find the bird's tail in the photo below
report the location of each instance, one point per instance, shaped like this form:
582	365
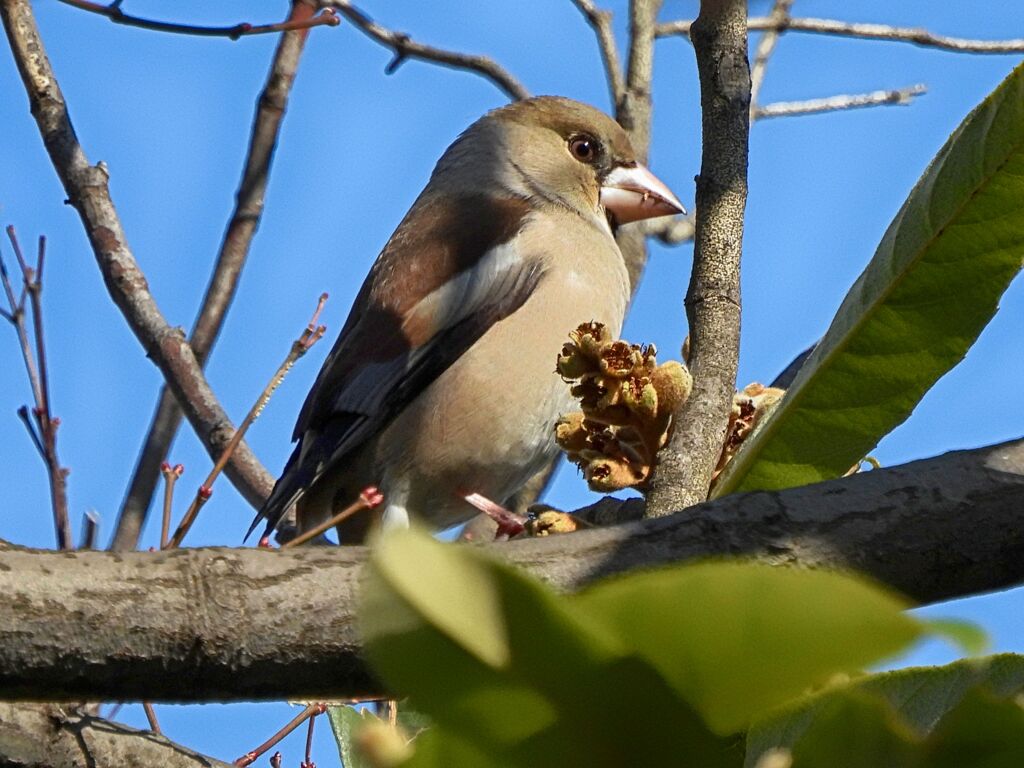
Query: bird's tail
287	490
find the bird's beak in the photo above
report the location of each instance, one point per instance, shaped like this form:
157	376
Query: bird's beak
633	193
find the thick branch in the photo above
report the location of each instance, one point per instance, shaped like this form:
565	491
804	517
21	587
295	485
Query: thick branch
245	218
87	189
915	35
217	624
404	47
58	737
713	298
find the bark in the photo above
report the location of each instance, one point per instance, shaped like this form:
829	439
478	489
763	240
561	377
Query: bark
685	465
36	735
231	624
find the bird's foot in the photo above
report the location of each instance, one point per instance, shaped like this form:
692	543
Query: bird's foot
509	523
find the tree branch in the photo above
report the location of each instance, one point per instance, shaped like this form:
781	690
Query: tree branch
633	111
914	35
245	218
713	298
112	11
899	97
58	737
601	22
219	624
87	190
404	47
765	49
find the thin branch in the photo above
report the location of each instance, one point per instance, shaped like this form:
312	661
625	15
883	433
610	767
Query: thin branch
154	724
43	431
90	529
404	47
171	476
914	35
16	317
310	712
113	12
670	231
271	104
311	334
686	463
61	735
765	49
87	189
368	499
203	616
899	97
600	21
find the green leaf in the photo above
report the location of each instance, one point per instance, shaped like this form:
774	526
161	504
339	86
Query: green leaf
971	638
735	639
982	732
933	284
454	594
348	722
345	723
922	696
856	730
569	693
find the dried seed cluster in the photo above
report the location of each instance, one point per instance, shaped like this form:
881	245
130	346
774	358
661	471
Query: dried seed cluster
627	402
749	406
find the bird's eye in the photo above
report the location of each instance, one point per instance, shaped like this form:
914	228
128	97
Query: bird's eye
584	148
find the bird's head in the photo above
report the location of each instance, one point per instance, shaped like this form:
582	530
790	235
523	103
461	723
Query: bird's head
558	151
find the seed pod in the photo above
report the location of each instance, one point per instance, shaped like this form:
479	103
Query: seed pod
673	384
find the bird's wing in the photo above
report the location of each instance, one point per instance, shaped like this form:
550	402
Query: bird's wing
451	271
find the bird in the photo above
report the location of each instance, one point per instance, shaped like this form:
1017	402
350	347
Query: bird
442	381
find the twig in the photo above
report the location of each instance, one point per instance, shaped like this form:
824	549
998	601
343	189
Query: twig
33	433
310	711
171	475
670	231
90	529
765	48
87	189
154	724
914	35
113	12
271	104
368	499
601	22
899	97
713	297
43	430
308	762
404	47
311	334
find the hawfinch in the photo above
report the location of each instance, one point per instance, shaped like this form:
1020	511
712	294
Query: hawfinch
442	382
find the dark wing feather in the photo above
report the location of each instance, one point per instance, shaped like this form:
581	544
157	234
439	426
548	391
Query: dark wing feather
433	292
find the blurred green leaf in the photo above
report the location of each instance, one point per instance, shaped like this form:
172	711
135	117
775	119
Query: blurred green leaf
856	730
968	636
921	696
933	284
736	639
347	722
569	694
981	732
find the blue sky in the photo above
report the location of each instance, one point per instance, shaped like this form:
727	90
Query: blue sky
170	115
